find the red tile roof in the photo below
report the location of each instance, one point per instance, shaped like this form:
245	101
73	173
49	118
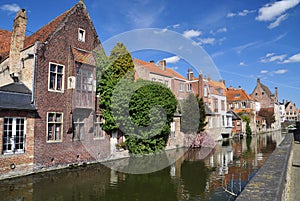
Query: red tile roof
83	56
153	68
216	86
5	37
41	35
237	95
247	110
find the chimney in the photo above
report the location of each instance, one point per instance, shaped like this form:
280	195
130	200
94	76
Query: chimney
190	75
276	94
240	87
258	80
151	61
223	81
208	78
17	41
163	64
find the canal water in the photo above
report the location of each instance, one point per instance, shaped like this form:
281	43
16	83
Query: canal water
221	175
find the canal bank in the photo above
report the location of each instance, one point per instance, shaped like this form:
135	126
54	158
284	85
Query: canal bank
199	175
272	181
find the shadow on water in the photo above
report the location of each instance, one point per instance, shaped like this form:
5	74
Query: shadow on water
201	174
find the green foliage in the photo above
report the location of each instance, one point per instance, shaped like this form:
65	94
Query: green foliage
151	109
110	70
202	117
193	115
248	129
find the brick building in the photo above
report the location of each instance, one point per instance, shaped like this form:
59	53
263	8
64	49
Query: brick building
269	105
241	103
17	116
291	111
57	64
160	73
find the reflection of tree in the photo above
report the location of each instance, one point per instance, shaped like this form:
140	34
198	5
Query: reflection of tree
248	142
153	186
194	176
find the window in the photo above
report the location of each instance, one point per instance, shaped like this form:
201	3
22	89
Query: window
262	93
81	35
189	87
223	120
54	128
181	87
98	132
78	128
166	82
222	105
56	80
14	134
216	105
205	91
153	79
243	104
237	95
84	86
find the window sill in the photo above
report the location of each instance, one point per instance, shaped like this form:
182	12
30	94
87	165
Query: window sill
13	153
99	138
53	141
52	90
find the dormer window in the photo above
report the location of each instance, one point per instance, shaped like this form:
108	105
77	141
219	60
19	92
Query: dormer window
81	35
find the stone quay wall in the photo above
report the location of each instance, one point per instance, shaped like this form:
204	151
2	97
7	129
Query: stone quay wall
271	182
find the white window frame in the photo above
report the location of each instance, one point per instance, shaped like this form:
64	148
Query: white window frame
205	92
13	143
189	87
181	87
79	129
54	122
98	127
56	76
81	35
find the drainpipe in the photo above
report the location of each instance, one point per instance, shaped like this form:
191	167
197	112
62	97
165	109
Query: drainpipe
33	73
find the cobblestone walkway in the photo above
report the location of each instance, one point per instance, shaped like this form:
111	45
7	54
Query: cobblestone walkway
295	174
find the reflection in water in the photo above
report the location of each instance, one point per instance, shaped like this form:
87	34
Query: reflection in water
200	174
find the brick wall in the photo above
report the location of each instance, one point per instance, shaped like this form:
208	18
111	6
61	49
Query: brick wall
58	50
23	161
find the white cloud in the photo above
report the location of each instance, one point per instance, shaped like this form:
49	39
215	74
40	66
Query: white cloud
221	30
172	60
243	13
293	59
271	57
210	41
10	8
176	25
264	71
239	49
281	71
191	33
272	10
161	31
242	63
277	22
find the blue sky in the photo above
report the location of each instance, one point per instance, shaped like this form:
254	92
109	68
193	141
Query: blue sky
245	39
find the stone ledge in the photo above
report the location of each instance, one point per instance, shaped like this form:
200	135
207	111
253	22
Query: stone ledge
270	182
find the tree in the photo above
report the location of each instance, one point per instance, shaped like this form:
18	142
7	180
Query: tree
193	118
246	118
202	117
110	70
151	110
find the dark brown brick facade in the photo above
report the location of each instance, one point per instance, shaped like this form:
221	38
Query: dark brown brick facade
58	49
